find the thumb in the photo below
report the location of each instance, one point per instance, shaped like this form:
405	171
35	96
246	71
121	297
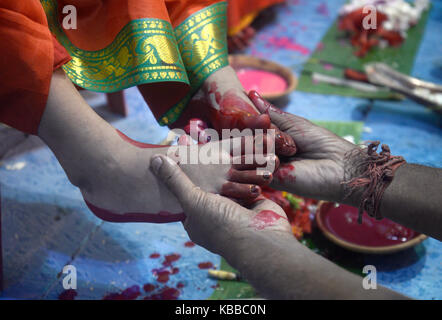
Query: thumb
278	117
174	178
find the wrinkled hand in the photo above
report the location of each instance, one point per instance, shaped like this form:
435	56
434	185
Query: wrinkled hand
213	221
318	168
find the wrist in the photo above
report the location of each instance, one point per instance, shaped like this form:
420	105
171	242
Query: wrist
371	174
248	245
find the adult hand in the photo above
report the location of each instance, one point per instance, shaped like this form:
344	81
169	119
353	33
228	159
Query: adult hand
318	168
213	221
259	244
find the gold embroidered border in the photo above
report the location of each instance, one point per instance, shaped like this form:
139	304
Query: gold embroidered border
144	51
202	42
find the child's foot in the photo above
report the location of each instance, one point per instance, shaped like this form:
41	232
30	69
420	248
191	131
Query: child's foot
223	103
122	188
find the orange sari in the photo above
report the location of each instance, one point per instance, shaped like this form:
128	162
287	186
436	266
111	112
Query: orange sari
241	13
28	56
166	47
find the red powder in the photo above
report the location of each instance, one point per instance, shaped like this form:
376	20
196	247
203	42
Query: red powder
284	173
189	244
288	44
264	219
69	294
342	221
148	287
231	104
166	293
170	258
322	9
113	296
262	81
154	255
138	144
175	270
236	112
180	285
162	275
327	66
130	293
214	89
205	265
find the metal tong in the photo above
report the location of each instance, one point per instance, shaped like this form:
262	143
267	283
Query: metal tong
423	92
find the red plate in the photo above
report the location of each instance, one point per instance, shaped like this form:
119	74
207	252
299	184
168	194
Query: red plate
339	223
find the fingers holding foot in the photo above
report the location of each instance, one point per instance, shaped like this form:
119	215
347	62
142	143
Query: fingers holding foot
239	191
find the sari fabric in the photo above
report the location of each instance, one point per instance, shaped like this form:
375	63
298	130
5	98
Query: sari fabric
165	46
241	13
28	56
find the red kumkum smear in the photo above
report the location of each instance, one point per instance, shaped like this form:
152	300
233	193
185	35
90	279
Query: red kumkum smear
264	219
231	103
162	275
69	294
235	112
214	90
170	258
284	173
160	217
137	143
205	265
180	285
130	293
288	44
166	293
113	296
154	255
189	244
148	287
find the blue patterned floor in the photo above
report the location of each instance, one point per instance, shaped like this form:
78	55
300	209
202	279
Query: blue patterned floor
46	225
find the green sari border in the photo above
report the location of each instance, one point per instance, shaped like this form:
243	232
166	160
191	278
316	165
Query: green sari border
144	51
202	41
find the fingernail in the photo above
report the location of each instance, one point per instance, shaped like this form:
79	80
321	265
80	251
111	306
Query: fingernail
266	175
254	93
254	189
156	164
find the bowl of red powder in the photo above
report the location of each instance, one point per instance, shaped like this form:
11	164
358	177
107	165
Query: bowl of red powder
339	223
272	80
